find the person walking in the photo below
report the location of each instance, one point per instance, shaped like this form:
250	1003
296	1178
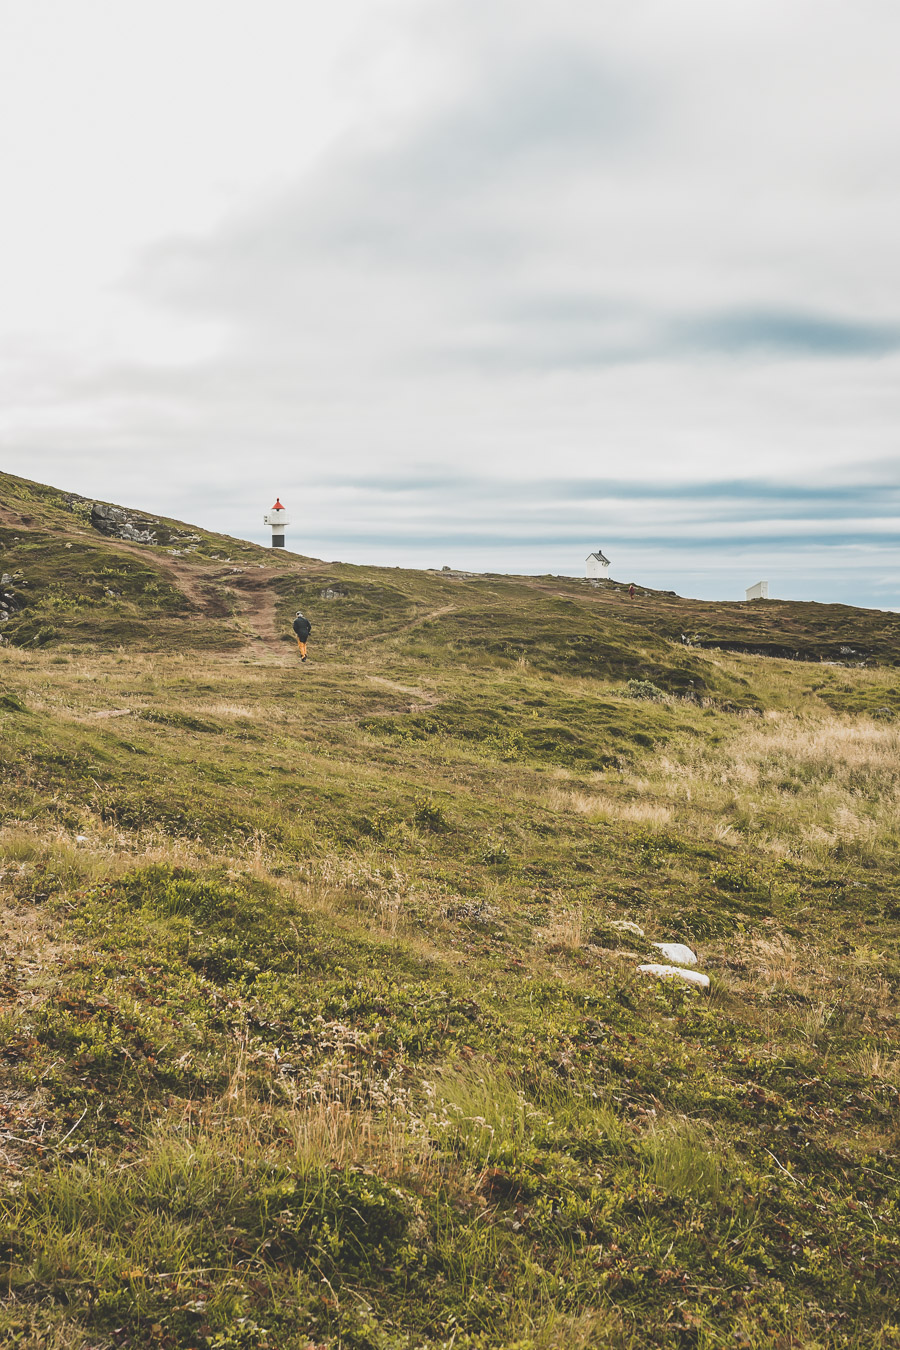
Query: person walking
302	629
631	591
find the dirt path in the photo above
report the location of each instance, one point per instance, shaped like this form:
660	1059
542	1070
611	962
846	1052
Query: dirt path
200	590
240	592
244	593
428	700
407	627
257	613
258	605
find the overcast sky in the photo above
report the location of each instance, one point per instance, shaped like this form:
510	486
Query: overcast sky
479	282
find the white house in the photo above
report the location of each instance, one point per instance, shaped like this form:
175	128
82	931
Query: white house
758	592
595	565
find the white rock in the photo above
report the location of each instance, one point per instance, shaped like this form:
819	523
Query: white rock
626	926
81	839
676	973
677	953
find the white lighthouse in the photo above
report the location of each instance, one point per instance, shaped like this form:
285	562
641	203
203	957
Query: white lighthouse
277	518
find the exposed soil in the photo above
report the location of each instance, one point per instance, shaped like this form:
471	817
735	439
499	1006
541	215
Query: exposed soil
213	593
202	591
10	518
256	597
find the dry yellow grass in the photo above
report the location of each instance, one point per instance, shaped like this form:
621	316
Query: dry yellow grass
565	931
879	1063
228	710
596	807
800	787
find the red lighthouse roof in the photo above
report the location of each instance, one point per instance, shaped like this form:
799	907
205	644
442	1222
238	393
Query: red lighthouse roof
278	506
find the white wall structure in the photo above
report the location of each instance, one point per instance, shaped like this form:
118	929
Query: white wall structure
595	565
277	518
758	592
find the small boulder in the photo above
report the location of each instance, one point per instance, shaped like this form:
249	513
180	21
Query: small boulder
677	953
676	973
106	519
626	926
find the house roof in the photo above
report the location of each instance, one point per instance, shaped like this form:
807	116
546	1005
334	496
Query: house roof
598	555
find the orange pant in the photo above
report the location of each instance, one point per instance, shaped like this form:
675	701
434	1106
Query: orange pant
302	646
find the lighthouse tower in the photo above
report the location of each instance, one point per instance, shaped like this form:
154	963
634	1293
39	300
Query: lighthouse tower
277	518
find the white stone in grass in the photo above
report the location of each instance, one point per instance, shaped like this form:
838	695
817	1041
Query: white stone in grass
626	926
677	953
676	973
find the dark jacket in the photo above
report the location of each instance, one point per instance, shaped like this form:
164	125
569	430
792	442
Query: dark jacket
302	627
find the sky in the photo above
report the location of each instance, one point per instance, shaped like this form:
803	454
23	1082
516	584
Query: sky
478	283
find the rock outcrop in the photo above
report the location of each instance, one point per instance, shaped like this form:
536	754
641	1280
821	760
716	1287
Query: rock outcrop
112	521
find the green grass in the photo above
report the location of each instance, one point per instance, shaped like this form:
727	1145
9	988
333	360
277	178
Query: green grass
320	1022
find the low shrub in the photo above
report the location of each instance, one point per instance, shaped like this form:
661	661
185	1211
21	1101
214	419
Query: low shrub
643	689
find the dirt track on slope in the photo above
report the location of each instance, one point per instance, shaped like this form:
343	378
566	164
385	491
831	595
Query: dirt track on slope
427	700
242	593
256	600
408	627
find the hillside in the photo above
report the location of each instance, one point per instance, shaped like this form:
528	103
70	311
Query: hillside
322	1023
72	581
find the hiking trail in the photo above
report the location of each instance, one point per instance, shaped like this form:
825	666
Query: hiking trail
428	700
408	627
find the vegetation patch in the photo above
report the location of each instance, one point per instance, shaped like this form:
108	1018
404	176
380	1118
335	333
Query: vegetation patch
322	1018
11	703
181	721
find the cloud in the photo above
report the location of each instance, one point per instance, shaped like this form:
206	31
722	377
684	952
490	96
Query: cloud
579	332
559	207
421	225
663	532
615	271
742	332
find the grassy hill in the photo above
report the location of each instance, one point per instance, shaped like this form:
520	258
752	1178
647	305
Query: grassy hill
321	1019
